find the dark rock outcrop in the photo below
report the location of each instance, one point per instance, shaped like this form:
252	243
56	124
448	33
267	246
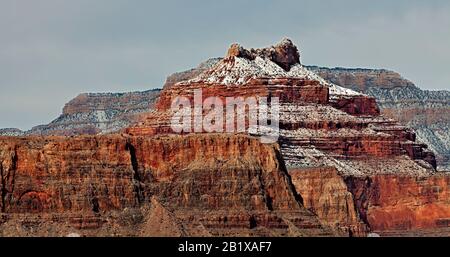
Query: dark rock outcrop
285	53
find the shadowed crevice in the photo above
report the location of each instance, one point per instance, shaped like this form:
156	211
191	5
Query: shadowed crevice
136	179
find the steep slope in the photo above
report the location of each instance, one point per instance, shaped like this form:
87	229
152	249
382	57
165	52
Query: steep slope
330	136
339	167
427	112
160	186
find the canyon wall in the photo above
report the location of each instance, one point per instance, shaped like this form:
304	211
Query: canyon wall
121	185
342	165
427	112
396	204
386	204
325	193
325	137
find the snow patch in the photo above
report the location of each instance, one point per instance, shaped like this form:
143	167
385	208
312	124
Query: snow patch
238	71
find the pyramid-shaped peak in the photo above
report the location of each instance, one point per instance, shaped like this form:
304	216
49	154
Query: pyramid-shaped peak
285	53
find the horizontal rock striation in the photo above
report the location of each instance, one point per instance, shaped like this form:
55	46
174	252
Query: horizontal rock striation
213	184
341	166
327	133
401	203
427	112
325	193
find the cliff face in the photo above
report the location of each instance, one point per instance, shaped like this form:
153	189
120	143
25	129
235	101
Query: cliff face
386	204
396	204
427	112
194	185
325	193
327	133
339	167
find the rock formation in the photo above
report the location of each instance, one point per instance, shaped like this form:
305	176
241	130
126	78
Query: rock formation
427	112
396	203
95	113
121	185
285	54
322	131
340	167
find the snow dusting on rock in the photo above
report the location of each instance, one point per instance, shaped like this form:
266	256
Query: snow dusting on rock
235	71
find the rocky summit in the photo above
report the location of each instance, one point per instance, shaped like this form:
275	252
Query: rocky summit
285	54
342	166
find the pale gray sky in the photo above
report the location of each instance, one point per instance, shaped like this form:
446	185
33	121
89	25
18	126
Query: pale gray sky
51	50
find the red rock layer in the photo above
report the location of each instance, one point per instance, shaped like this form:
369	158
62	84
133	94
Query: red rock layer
427	112
287	89
402	203
325	193
86	174
233	184
427	116
225	185
349	147
427	120
357	105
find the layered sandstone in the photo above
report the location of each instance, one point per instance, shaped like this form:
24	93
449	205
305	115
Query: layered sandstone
362	80
427	112
208	185
399	203
325	193
340	167
327	134
386	196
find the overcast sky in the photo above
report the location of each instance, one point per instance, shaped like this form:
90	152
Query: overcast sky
51	50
